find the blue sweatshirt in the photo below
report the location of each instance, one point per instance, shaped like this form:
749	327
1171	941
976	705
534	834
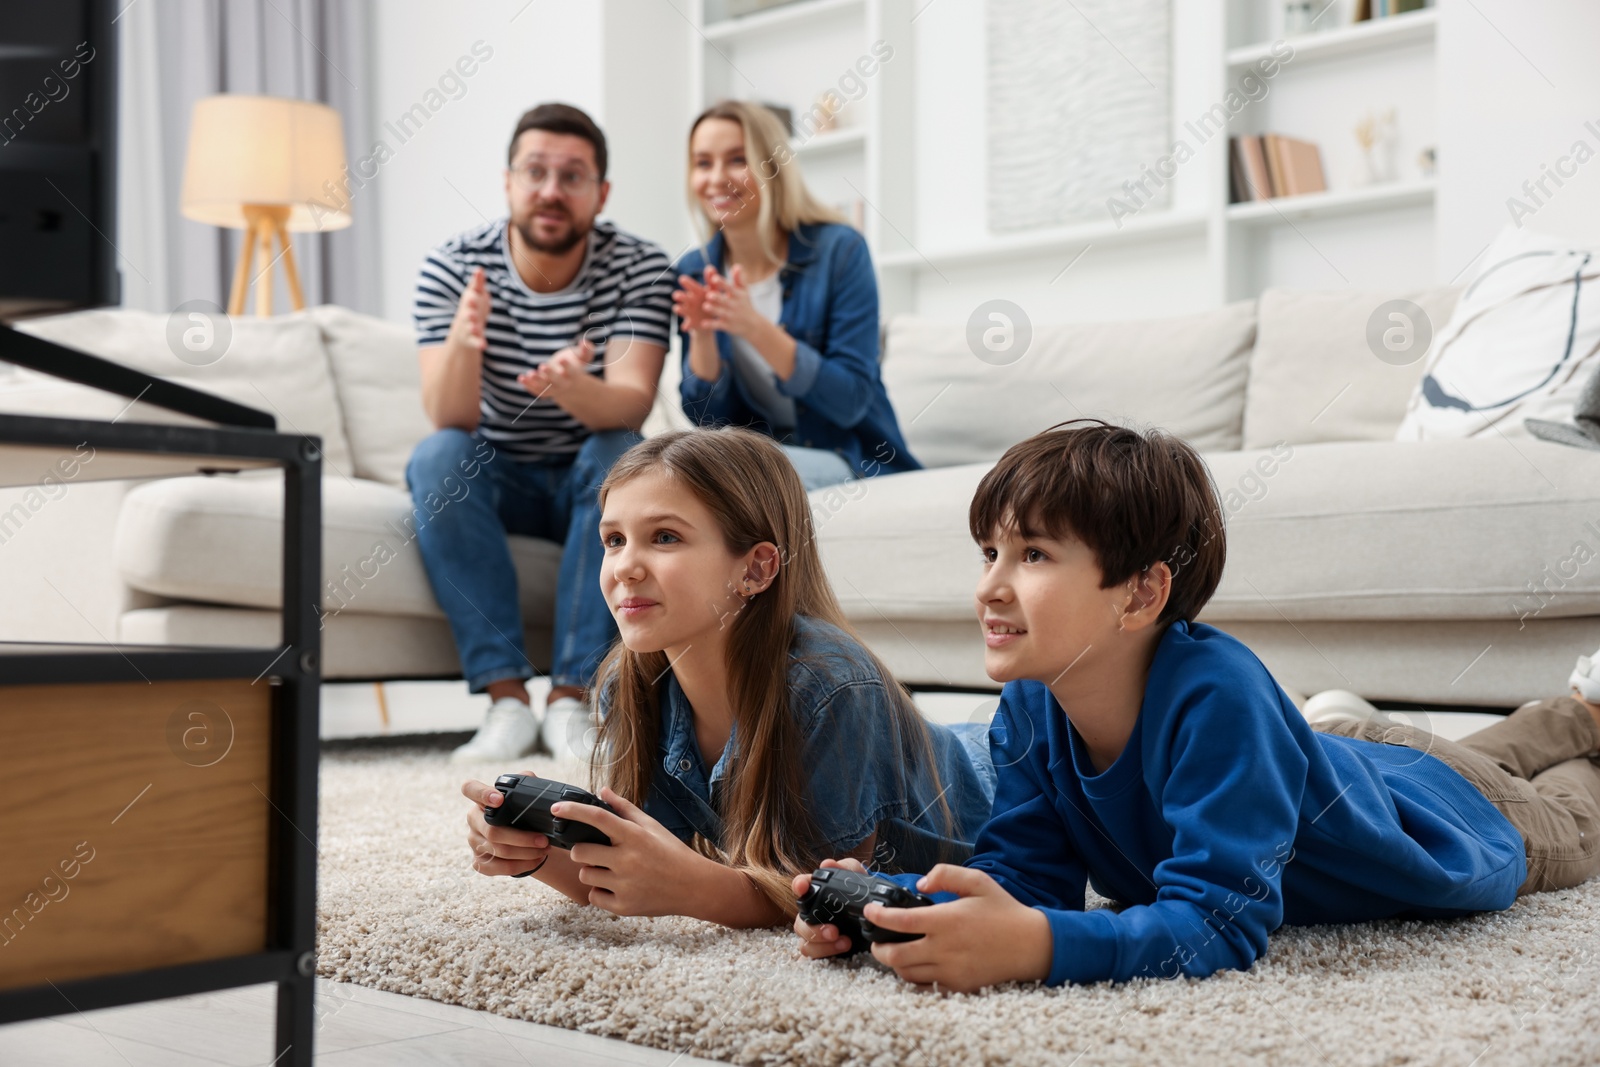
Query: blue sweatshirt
1225	817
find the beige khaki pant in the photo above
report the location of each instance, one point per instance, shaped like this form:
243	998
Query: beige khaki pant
1538	767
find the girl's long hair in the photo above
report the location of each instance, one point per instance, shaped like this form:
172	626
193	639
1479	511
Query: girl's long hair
750	487
786	203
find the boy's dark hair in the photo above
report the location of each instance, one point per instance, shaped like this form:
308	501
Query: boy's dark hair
1134	498
562	118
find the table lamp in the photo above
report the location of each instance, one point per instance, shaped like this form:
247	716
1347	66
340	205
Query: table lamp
258	163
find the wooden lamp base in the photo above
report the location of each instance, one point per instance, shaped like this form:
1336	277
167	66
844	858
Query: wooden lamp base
263	224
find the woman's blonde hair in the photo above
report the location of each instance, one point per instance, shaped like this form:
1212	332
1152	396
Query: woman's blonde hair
752	490
786	203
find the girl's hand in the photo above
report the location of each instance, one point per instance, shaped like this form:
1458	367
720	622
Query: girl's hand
644	871
688	303
819	942
556	376
500	849
986	937
727	304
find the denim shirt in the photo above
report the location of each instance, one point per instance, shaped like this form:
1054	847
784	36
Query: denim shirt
830	308
856	782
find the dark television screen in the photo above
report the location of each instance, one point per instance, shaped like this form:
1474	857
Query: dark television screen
57	156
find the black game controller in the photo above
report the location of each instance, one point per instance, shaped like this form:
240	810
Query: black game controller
527	807
838	896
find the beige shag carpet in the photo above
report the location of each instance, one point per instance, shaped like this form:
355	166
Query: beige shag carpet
402	911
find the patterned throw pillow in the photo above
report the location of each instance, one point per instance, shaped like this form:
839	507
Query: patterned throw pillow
1521	343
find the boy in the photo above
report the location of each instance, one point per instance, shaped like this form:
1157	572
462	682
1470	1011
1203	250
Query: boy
1155	757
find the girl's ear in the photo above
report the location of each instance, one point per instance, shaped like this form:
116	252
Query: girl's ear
761	569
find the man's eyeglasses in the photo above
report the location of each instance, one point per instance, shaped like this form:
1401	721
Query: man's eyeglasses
534	176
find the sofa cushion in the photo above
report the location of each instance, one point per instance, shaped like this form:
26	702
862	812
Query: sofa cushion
219	540
1523	343
1471	529
1313	376
1184	374
275	365
379	383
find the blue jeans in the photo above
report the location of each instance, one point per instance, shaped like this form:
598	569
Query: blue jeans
487	495
819	467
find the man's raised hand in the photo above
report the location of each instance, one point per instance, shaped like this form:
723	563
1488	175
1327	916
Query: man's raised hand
472	314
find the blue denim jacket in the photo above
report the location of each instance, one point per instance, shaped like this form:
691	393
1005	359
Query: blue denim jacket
856	780
830	308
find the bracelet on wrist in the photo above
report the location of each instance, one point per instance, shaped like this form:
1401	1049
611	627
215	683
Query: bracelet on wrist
534	870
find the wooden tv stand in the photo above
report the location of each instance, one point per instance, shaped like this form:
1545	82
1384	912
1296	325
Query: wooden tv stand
158	806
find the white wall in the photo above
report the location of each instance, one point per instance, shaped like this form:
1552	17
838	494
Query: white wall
1496	118
1163	277
449	176
644	109
1518	82
623	61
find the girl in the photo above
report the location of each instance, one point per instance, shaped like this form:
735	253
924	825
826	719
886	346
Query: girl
745	732
779	311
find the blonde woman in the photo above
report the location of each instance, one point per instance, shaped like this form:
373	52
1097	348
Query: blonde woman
778	311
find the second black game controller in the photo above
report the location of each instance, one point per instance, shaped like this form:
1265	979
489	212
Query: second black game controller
839	896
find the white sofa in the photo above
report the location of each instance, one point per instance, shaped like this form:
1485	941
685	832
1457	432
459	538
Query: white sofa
1401	571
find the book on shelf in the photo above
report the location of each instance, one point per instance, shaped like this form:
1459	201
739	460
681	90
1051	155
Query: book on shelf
1249	165
1238	187
1271	165
1369	10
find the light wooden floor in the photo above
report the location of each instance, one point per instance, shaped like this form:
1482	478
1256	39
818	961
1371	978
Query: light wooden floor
356	1027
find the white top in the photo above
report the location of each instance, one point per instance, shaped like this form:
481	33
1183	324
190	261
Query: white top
760	380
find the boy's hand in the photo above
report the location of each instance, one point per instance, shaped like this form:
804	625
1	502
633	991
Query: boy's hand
819	942
984	938
500	849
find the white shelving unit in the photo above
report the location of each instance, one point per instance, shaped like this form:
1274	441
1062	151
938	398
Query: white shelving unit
833	141
1360	39
789	55
786	16
1333	204
1379	235
1153	227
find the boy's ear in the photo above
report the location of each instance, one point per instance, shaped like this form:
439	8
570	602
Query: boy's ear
1147	594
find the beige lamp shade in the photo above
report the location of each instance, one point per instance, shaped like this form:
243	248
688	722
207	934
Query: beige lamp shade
265	151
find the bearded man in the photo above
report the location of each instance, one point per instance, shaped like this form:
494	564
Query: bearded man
541	337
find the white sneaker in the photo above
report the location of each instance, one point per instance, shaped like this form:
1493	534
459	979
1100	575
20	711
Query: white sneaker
1585	677
1339	704
509	730
569	729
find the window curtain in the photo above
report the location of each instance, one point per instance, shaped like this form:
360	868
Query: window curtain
172	55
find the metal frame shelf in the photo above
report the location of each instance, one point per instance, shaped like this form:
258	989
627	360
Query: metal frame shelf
246	438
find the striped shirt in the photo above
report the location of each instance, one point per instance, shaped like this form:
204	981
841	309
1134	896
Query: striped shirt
623	289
